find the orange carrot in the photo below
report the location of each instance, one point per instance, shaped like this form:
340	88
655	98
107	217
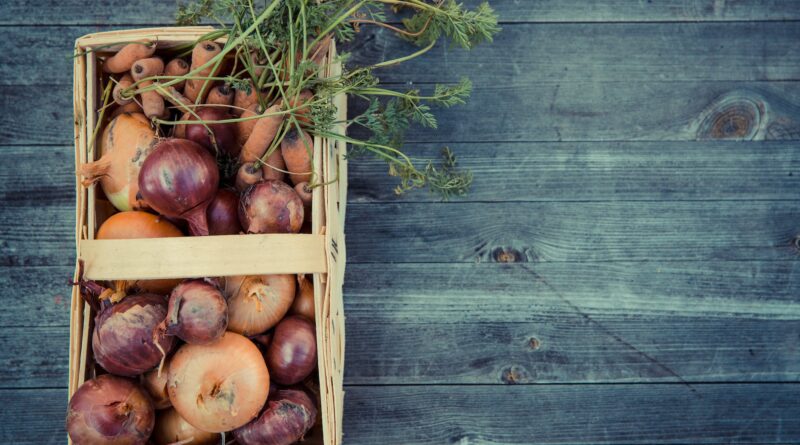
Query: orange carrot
201	54
302	111
264	132
124	82
244	99
151	66
274	167
248	175
244	128
177	67
220	95
296	149
152	102
124	58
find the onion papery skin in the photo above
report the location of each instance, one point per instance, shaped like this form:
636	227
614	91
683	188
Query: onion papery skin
220	386
179	179
125	335
156	386
136	225
225	135
289	415
223	214
125	144
110	410
292	352
271	206
171	428
304	298
256	303
197	312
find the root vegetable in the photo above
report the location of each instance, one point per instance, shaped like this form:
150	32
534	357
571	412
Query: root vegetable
274	167
289	415
270	207
220	95
245	128
124	82
245	98
304	298
224	135
297	149
256	303
155	383
223	214
151	66
292	353
129	108
261	137
171	428
177	67
197	312
201	54
152	101
220	386
124	59
248	175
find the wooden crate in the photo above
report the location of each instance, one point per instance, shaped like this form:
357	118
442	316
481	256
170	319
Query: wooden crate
321	253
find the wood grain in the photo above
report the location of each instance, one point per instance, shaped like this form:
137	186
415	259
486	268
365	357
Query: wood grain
543	52
154	12
576	414
34	357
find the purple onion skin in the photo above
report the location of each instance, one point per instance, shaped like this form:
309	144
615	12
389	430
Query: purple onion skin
289	415
179	179
124	335
223	214
292	353
197	312
110	410
270	206
224	134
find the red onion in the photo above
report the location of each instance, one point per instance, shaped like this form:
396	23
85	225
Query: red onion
179	179
270	206
126	339
223	214
197	313
289	415
224	134
292	353
304	298
110	410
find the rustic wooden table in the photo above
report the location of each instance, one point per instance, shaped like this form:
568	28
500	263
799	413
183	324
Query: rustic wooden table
622	272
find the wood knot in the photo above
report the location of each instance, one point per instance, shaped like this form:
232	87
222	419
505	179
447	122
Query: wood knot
734	116
534	343
507	255
513	375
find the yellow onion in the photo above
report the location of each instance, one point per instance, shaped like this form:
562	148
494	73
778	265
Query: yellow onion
258	302
155	384
171	428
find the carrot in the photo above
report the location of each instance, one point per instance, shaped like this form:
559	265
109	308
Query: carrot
298	102
177	67
296	149
124	82
243	99
201	54
180	129
263	133
220	95
151	66
248	175
124	58
131	107
274	167
152	102
175	97
244	128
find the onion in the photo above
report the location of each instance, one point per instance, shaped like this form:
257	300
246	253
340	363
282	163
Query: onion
171	428
126	340
179	179
110	410
270	206
197	312
127	141
223	214
304	298
220	386
224	134
292	353
134	225
258	302
155	383
289	415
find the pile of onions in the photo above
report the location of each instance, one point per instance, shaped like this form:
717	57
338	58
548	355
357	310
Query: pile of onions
271	206
126	339
110	410
256	303
197	312
126	142
224	134
135	225
179	179
289	415
220	386
171	428
292	353
223	214
155	383
304	298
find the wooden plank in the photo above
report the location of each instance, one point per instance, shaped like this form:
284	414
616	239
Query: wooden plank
549	171
35	296
154	12
34	357
542	52
672	413
524	111
499	232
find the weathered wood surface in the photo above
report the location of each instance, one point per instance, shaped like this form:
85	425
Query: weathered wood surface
520	414
156	12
